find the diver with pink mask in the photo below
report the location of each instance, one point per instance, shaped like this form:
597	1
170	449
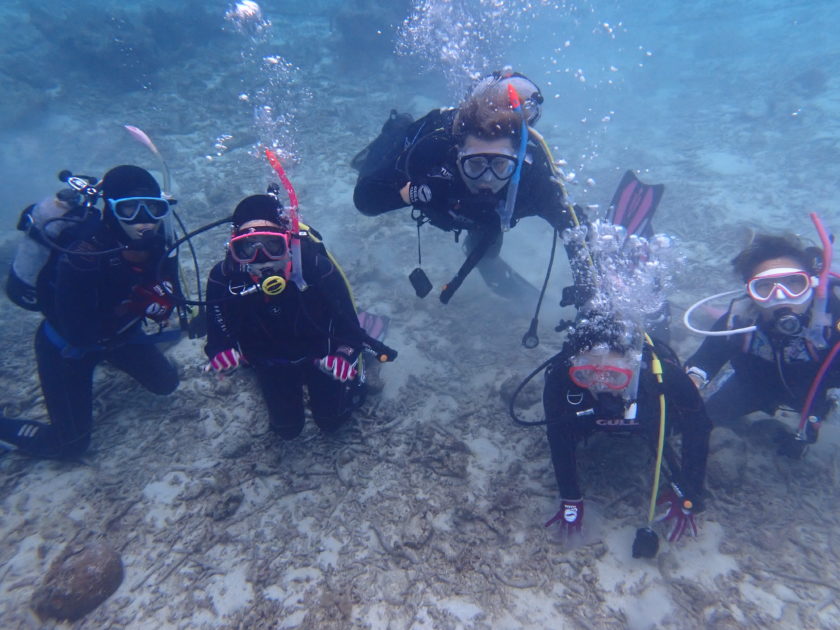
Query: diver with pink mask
289	317
779	334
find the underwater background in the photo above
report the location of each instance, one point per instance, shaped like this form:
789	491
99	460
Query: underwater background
428	512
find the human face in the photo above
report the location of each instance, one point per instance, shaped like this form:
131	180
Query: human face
263	262
498	158
140	231
602	370
781	283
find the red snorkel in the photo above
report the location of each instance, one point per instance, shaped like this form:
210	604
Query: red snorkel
513	186
820	311
297	270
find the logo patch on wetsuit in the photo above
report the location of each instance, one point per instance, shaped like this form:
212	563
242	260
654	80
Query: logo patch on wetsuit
617	422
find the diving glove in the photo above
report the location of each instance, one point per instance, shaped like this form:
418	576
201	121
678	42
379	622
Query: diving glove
570	516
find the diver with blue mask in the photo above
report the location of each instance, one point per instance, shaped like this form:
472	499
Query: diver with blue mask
780	336
107	278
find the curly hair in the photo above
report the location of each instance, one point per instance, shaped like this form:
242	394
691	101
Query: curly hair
488	115
597	327
769	246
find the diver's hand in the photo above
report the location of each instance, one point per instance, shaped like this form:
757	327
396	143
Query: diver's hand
153	301
570	516
339	367
426	191
680	512
229	359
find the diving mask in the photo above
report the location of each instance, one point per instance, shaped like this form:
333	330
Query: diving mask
476	165
128	209
781	285
600	370
245	248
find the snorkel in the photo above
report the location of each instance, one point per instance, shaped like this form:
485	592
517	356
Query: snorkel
513	186
821	317
297	273
143	138
820	311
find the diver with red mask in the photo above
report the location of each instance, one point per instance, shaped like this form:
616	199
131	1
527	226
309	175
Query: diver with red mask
608	378
779	334
293	336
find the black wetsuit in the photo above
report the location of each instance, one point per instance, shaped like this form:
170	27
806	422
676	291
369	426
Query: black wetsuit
573	414
283	336
770	369
430	152
93	314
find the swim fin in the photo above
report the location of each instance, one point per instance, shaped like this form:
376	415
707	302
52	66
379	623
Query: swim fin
634	204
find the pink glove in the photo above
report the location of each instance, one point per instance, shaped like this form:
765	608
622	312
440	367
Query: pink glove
570	516
338	367
226	360
679	511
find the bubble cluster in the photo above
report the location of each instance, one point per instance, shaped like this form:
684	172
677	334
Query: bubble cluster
246	17
622	273
272	88
462	39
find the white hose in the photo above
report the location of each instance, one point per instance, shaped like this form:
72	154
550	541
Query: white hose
715	333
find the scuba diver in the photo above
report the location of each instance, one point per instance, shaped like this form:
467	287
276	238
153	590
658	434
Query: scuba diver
479	168
780	336
610	377
104	275
289	315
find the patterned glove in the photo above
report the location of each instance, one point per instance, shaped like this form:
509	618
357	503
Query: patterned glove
424	192
153	302
678	510
570	516
226	360
339	367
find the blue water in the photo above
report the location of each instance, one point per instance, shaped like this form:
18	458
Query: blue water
735	107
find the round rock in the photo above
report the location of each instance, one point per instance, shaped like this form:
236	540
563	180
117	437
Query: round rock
78	581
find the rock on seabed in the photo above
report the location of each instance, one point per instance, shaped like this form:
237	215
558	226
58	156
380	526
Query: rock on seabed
78	581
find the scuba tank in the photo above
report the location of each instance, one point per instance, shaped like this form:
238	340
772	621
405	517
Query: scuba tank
42	224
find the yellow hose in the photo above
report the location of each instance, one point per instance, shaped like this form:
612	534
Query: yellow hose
656	368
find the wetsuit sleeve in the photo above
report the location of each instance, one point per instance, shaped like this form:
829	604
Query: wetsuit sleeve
78	316
714	352
378	191
344	323
561	430
220	324
685	408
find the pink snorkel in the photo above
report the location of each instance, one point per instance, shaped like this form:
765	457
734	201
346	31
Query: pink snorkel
297	273
820	311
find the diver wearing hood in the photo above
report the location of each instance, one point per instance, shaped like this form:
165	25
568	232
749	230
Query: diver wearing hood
258	316
460	168
787	335
96	294
604	379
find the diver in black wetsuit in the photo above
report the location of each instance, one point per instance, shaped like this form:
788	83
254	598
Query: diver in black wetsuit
96	297
455	167
601	382
257	315
776	335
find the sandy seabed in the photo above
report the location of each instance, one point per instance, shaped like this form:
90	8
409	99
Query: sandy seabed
427	510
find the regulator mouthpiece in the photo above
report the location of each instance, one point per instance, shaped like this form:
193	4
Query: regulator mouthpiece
273	285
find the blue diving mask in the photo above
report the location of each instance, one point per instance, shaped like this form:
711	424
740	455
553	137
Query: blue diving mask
129	209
